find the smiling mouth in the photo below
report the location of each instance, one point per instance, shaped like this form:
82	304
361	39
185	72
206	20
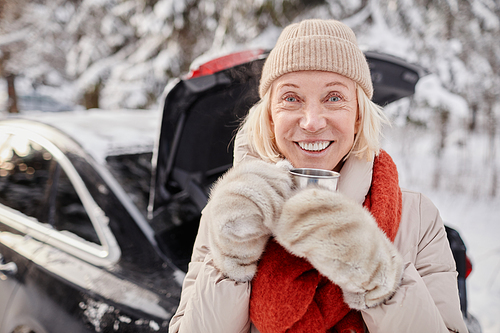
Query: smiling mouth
314	146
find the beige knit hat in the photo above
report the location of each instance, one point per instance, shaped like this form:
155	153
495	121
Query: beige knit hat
322	45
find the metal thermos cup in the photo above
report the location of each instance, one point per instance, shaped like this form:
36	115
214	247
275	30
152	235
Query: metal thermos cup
316	177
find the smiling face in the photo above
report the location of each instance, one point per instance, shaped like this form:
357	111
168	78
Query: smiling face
314	118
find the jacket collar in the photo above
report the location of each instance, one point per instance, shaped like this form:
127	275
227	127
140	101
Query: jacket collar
356	178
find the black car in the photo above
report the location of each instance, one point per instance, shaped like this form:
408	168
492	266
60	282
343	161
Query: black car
79	250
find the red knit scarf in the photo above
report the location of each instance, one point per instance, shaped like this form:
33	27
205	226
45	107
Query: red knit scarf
289	295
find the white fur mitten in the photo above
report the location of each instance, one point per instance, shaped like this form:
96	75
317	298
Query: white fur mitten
242	202
343	242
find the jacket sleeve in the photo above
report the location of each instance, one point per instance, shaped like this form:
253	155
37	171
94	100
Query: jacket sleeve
210	302
427	299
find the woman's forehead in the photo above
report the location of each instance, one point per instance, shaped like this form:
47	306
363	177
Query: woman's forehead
319	79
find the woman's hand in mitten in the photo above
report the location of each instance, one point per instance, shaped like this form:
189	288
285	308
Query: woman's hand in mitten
343	242
242	202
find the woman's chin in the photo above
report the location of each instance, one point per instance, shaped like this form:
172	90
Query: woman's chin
327	159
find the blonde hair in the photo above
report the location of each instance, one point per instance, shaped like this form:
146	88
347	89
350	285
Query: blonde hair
260	137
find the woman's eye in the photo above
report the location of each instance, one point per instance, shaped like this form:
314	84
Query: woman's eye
334	99
290	99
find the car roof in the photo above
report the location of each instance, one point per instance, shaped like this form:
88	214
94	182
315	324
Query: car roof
101	133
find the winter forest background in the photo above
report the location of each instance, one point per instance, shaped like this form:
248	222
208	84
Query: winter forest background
116	54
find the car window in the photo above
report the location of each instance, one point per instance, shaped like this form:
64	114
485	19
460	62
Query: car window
133	172
24	175
34	183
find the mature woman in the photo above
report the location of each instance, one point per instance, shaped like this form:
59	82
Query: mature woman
272	258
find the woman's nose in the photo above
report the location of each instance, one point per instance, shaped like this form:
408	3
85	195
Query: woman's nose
313	119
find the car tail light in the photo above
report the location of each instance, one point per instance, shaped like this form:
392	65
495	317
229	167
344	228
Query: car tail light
224	62
468	266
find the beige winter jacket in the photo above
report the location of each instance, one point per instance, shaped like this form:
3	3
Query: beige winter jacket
426	301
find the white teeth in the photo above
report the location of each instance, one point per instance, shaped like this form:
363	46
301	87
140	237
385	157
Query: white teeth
315	146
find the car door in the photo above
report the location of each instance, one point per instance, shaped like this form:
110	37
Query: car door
49	244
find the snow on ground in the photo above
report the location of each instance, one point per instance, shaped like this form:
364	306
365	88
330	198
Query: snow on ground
478	224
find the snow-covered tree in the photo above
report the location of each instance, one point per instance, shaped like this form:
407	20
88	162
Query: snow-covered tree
127	50
33	43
